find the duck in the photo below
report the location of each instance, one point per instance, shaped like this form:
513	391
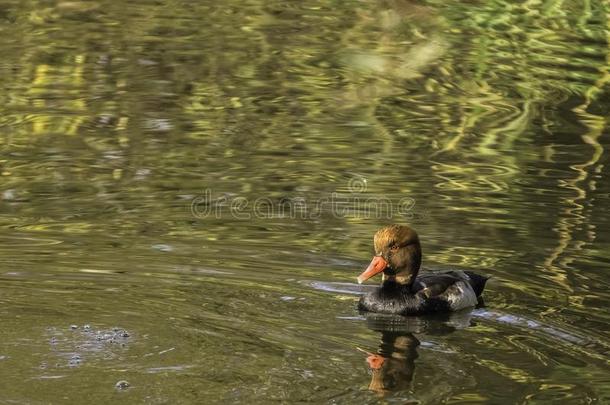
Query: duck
403	291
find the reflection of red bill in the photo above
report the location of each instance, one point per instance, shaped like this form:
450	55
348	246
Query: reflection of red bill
375	361
378	264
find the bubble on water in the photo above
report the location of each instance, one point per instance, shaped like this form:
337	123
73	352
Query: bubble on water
122	385
75	360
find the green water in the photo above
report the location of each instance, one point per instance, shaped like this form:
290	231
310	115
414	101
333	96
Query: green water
207	176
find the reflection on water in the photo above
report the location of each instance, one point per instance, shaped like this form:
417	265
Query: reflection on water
393	365
489	119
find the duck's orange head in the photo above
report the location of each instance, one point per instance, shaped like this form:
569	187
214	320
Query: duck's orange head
397	253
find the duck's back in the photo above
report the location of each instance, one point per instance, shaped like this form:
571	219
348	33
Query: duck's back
460	289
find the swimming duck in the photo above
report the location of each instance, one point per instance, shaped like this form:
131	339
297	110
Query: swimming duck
398	257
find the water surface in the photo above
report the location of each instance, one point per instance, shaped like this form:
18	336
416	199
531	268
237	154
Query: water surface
206	178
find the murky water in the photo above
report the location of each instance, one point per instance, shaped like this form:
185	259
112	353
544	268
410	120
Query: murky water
189	189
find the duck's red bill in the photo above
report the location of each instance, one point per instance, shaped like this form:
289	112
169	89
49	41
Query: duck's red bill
378	264
375	361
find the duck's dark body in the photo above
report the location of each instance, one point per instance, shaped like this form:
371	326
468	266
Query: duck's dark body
435	292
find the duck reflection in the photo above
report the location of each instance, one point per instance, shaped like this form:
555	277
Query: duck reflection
393	365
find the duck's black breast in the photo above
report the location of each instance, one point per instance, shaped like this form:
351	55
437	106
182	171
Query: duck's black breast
394	298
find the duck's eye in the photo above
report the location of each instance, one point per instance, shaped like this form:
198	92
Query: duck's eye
394	248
